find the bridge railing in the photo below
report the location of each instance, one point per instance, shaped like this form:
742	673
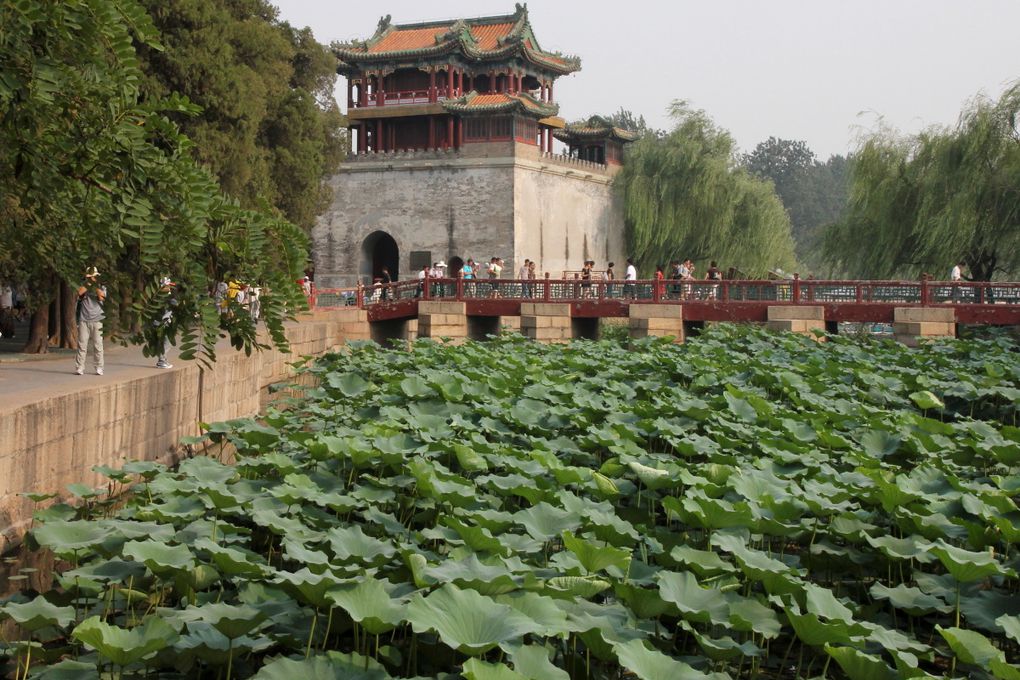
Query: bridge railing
787	291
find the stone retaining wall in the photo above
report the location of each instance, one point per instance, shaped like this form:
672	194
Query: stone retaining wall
56	441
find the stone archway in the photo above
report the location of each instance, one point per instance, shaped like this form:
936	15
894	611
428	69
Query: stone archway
379	250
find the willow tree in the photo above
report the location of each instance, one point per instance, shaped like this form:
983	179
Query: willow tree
93	174
687	195
922	203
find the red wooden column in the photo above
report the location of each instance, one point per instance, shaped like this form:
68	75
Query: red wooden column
550	91
433	94
449	132
350	93
432	132
449	82
460	133
380	86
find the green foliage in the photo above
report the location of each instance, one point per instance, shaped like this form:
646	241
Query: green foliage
814	193
922	203
95	173
777	503
269	129
686	196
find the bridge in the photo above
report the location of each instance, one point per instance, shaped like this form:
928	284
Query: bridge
915	308
973	302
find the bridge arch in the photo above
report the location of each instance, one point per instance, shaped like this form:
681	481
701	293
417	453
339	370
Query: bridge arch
379	250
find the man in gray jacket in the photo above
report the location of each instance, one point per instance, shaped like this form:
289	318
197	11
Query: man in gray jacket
91	297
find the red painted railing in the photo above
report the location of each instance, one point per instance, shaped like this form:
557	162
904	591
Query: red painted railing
396	97
789	291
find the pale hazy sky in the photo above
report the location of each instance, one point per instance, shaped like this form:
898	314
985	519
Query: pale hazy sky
815	70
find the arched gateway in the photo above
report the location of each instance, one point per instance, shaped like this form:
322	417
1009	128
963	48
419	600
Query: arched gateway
379	250
452	126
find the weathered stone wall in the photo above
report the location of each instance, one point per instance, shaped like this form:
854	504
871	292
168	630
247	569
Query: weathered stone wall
504	199
567	213
57	440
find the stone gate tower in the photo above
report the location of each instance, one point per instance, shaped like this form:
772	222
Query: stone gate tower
451	130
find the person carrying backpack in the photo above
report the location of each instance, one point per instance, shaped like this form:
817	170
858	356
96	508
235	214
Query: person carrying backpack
89	315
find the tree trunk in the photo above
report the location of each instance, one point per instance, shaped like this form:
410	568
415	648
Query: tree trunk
38	333
68	326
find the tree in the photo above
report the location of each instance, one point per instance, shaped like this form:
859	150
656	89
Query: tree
92	174
269	130
686	195
921	203
628	121
813	193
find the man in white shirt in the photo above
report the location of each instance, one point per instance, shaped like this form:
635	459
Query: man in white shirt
956	274
630	276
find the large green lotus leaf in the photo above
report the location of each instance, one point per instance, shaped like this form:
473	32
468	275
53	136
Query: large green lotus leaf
704	605
352	543
595	558
926	400
644	602
476	538
231	620
38	613
469	459
545	522
68	669
652	478
233	561
160	558
813	631
369	603
701	562
822	602
756	565
982	608
724	648
532	661
467	621
583	587
308	586
860	666
298	553
482	670
206	470
910	599
880	443
487	579
349	384
544	611
750	614
910	548
1010	625
650	664
121	646
414	386
709	513
741	408
330	666
966	565
67	538
970	646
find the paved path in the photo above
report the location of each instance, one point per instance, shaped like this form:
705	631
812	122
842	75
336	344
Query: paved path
27	378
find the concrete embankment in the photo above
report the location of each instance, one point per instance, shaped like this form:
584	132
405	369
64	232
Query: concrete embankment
55	426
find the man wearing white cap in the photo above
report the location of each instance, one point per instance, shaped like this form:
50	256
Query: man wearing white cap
89	313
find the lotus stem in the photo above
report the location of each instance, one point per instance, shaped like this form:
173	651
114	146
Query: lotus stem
230	658
329	625
311	634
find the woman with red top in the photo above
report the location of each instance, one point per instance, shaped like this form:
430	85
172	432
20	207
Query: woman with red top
660	287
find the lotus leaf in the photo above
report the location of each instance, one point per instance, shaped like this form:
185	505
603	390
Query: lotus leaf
481	670
860	666
532	661
330	666
467	621
650	664
38	613
122	646
160	558
369	603
966	565
596	558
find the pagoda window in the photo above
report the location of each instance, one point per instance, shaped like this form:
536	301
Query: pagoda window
501	128
476	129
526	130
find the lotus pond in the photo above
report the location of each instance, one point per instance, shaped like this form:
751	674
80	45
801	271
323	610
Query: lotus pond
745	505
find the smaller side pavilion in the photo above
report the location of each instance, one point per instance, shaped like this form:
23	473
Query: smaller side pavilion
595	140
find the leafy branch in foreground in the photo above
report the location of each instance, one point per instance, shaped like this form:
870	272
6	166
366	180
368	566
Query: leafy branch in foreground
94	174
